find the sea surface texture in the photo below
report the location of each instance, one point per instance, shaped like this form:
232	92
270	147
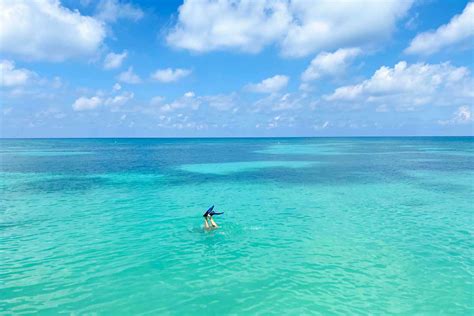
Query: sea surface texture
311	226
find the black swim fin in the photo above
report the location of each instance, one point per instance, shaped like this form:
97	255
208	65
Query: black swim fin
212	213
208	211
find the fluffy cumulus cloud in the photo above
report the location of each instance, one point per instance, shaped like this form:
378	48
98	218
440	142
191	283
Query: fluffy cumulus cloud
112	10
113	60
463	115
408	86
11	76
298	27
45	30
84	103
93	103
194	112
129	77
222	102
278	102
246	25
269	85
331	64
119	100
170	75
458	30
329	24
188	101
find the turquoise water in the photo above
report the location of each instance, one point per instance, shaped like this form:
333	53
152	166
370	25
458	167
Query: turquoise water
324	225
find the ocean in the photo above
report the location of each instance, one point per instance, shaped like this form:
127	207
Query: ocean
310	226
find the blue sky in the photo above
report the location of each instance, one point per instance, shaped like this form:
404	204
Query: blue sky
116	68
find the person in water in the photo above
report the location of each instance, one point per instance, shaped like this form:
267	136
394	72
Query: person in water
209	222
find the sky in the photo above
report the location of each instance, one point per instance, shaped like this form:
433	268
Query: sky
229	68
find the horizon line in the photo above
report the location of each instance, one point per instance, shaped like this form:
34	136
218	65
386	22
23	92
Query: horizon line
237	137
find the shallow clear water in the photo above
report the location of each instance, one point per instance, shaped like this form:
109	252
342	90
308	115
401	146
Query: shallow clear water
328	225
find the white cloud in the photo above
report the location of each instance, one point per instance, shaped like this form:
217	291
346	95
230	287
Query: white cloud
45	30
116	87
119	100
279	121
330	24
112	10
129	77
210	25
92	103
331	64
113	60
84	104
459	29
305	87
170	75
277	102
221	102
269	85
463	115
299	27
407	86
187	101
11	76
